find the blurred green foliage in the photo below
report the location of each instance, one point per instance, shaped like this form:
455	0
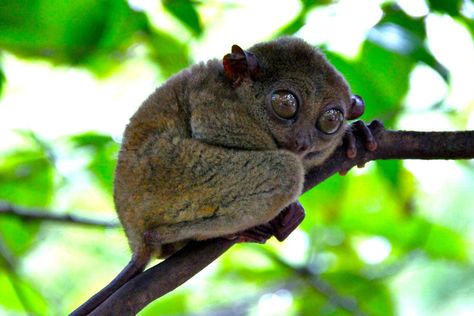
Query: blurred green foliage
380	203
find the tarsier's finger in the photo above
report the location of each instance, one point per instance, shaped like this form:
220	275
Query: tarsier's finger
350	144
368	138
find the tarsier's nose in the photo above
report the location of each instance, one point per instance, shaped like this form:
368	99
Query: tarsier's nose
302	143
301	146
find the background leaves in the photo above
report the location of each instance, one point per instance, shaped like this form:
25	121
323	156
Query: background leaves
364	233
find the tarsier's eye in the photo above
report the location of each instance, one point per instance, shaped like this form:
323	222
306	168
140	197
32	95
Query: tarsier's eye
330	121
284	104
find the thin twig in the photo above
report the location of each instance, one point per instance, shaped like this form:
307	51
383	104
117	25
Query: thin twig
319	285
166	276
36	214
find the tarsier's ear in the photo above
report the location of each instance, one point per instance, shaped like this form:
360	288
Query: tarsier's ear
239	65
356	108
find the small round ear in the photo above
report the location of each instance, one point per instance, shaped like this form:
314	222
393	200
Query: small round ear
357	108
240	64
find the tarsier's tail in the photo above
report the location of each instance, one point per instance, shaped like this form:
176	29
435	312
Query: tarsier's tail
136	265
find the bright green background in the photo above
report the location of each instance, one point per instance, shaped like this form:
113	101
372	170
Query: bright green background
428	267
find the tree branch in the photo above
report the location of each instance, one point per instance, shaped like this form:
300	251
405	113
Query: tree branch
398	145
7	209
169	274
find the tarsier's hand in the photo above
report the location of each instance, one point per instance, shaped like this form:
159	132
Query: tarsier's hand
280	227
360	129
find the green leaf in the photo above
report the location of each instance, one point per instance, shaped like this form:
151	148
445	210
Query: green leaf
372	297
26	179
19	236
124	28
410	37
51	29
356	292
170	54
249	264
451	7
445	243
324	201
102	156
380	76
2	81
469	23
185	11
10	289
300	20
173	304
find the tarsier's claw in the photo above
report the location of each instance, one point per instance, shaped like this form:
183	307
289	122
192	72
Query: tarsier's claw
280	227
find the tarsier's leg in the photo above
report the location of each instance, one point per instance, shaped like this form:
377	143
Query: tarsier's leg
228	191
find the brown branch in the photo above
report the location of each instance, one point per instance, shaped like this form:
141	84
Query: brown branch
36	214
164	277
169	274
398	145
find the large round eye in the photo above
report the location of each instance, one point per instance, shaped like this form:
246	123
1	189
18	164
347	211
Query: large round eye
330	121
284	104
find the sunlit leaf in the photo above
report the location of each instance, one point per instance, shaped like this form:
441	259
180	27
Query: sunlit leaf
407	233
52	30
170	54
310	303
125	28
168	305
372	296
26	179
469	23
300	19
20	296
323	201
103	153
380	76
185	11
18	236
249	264
2	81
405	35
445	243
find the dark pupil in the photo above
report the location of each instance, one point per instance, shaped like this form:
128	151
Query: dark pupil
284	104
330	121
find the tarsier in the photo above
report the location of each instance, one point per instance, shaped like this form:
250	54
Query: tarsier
221	149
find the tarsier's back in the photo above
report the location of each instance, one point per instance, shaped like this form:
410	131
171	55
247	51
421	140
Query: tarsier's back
223	146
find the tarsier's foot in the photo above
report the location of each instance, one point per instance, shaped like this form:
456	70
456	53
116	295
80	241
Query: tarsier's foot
280	227
287	220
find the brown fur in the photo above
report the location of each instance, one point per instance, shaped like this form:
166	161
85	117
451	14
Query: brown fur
202	158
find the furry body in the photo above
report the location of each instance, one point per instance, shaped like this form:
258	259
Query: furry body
202	158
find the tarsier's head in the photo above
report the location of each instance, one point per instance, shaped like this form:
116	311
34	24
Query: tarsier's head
300	98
